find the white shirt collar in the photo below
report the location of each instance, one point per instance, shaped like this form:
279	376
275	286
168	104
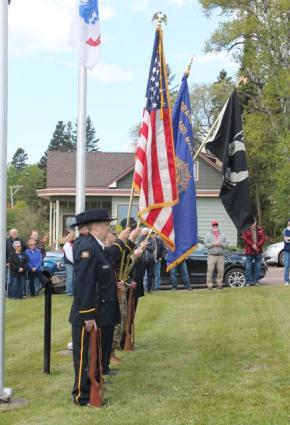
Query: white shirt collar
100	242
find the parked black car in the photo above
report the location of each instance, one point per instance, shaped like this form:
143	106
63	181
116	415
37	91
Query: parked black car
234	275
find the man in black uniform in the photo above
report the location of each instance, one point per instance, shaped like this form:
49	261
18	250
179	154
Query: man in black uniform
95	300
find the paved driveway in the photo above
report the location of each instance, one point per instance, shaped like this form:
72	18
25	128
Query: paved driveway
274	276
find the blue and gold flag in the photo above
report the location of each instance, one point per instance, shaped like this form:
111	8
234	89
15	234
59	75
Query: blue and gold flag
184	213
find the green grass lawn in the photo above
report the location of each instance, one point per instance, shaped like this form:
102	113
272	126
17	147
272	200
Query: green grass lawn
219	357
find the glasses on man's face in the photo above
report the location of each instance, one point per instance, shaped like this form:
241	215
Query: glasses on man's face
32	244
214	225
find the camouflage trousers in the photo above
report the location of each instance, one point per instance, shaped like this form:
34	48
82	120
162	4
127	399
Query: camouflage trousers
120	327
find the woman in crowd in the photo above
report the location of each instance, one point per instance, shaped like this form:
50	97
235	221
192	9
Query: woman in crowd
17	262
69	263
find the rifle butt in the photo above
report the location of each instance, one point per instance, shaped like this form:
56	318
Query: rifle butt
95	396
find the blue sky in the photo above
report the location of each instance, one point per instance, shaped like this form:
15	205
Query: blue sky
43	69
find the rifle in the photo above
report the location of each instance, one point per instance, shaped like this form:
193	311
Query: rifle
129	328
96	388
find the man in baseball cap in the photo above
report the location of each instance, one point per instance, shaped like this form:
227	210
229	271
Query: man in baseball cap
216	243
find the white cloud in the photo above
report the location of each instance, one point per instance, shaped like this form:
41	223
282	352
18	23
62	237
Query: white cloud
214	57
110	73
177	2
44	24
139	5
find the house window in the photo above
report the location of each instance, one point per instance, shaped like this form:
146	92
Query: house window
196	170
122	212
68	220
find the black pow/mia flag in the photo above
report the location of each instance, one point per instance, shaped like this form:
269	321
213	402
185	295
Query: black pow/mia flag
227	144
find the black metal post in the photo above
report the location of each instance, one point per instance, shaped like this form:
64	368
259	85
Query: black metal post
47	326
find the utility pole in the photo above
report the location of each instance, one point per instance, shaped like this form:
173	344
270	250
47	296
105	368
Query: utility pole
13	190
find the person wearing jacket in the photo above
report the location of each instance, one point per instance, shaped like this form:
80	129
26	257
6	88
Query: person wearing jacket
68	261
160	255
148	257
34	266
17	261
13	236
216	243
286	234
254	239
95	302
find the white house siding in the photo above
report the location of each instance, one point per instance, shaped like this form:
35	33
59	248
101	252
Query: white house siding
209	208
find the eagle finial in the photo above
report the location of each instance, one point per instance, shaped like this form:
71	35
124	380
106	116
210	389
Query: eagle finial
160	17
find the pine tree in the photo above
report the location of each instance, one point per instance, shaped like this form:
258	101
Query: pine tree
60	142
91	141
19	160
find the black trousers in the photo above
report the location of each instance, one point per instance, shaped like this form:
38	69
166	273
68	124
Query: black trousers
81	358
81	388
31	276
149	266
107	333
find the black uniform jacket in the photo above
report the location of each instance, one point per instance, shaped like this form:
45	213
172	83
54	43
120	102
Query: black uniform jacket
17	262
94	285
120	251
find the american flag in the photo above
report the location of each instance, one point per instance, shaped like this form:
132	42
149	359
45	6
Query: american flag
155	175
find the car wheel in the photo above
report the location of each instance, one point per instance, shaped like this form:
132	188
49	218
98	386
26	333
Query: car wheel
235	278
281	259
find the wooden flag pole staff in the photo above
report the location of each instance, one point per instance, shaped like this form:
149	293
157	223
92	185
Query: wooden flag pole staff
188	68
208	135
242	80
130	206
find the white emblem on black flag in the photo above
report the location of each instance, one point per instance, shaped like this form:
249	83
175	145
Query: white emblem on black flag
227	144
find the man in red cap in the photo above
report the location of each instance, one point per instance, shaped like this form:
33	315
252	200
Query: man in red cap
216	243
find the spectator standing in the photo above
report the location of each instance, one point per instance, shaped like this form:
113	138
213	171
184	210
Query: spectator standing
254	239
40	244
68	260
286	235
13	236
216	243
148	257
182	267
17	261
160	255
34	265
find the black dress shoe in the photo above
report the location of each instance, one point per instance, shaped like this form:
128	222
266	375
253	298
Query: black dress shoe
110	372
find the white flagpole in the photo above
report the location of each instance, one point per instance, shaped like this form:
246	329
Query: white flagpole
81	141
3	173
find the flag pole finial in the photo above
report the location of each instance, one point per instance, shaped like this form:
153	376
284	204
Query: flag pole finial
188	68
161	18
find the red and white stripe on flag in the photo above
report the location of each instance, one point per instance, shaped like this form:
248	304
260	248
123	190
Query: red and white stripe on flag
85	34
155	175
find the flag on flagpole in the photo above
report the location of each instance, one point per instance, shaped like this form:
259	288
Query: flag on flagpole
227	144
85	35
155	174
184	213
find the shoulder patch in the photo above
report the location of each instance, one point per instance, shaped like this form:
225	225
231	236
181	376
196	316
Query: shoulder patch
85	254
